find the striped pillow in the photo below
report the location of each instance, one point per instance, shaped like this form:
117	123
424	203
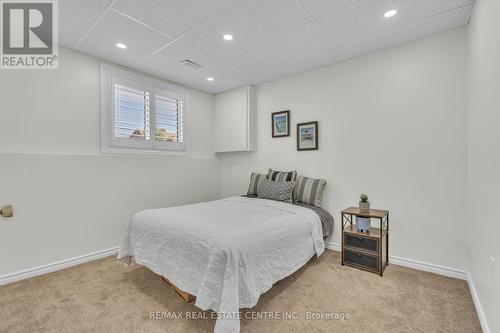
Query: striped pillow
282	176
309	190
255	181
278	191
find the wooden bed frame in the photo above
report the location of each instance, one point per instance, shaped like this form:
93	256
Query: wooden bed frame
184	295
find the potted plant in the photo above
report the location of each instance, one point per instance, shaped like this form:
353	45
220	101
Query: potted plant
364	204
363	223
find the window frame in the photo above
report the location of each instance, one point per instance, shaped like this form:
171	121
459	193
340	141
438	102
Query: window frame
111	75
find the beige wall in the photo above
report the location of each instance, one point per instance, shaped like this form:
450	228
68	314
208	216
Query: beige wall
393	125
69	199
484	156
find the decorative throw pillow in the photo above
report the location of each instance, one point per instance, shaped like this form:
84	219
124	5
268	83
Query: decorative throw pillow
279	191
255	181
309	190
282	176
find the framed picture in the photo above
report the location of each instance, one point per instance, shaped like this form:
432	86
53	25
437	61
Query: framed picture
280	123
307	136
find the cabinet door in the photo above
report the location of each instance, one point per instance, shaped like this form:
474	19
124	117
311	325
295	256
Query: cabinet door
222	124
238	106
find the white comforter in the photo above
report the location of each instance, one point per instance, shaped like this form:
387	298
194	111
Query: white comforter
226	252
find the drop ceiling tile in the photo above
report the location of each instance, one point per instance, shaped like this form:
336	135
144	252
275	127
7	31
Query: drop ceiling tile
75	19
250	21
421	29
320	8
167	63
114	28
427	8
104	2
225	77
365	19
297	51
172	17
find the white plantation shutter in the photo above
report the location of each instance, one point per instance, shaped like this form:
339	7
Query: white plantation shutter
169	119
132	113
146	117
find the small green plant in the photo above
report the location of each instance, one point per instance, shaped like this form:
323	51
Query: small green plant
363	198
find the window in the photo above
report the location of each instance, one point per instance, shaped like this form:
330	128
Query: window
140	114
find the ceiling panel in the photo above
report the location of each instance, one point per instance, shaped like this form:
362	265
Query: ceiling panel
297	51
75	19
320	8
172	17
115	28
252	22
365	19
420	29
104	2
226	77
167	63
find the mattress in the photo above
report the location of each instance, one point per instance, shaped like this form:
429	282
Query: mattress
325	217
226	252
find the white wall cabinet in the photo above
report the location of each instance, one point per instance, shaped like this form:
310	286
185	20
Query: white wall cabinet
235	120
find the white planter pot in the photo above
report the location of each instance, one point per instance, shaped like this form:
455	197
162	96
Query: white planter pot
364	206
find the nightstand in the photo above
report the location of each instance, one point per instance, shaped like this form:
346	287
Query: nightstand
365	250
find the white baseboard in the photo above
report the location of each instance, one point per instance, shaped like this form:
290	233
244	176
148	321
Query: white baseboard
477	304
422	266
13	277
418	265
334	246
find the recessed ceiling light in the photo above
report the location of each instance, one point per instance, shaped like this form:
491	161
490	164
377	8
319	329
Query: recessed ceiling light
228	37
210	78
121	45
390	13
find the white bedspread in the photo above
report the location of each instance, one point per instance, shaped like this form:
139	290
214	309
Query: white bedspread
226	252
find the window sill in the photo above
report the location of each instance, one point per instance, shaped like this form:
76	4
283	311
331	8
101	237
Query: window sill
131	151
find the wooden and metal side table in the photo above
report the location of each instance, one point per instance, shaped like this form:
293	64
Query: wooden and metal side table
365	250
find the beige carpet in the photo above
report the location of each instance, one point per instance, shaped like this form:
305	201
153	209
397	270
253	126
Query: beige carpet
106	296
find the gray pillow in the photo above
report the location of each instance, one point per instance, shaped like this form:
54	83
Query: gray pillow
255	181
278	191
282	176
309	190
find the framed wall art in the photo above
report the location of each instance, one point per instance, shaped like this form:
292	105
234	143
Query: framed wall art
280	123
307	136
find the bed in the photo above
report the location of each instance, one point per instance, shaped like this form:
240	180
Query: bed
226	252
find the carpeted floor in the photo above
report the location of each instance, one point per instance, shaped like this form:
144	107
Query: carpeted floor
106	296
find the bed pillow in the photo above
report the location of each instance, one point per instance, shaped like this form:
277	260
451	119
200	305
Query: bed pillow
309	190
255	181
278	191
282	176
